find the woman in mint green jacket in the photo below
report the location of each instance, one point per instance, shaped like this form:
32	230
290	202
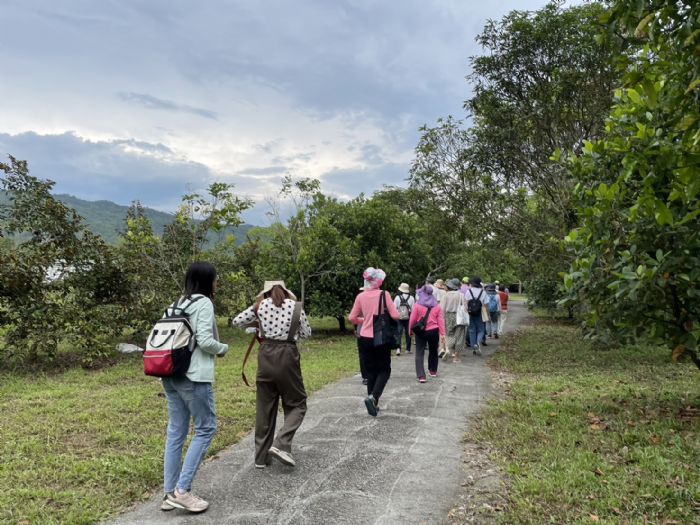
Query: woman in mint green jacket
191	397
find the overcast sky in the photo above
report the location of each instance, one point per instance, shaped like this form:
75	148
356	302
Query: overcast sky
148	99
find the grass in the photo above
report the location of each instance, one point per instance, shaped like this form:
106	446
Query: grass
586	435
70	441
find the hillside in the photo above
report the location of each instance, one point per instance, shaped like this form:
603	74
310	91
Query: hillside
106	219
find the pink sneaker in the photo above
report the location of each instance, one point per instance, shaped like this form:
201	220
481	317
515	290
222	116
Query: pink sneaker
432	374
421	379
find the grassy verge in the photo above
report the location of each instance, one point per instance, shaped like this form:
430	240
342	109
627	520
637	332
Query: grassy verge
586	435
70	441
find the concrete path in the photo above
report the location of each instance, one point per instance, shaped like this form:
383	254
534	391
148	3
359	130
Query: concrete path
401	467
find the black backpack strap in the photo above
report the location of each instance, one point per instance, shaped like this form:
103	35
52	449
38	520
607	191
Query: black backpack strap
427	314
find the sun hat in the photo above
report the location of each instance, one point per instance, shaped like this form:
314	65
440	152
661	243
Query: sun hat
374	277
453	284
426	297
404	288
270	284
440	284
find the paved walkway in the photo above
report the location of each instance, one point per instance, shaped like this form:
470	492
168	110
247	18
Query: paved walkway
401	467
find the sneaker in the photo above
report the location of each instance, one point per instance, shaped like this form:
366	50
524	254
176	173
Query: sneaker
421	379
283	457
165	504
477	350
484	343
364	381
187	501
398	351
432	374
371	405
496	336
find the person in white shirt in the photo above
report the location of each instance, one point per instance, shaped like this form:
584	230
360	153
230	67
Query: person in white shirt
404	302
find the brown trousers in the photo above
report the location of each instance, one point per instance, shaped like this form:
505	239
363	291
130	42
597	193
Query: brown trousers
279	375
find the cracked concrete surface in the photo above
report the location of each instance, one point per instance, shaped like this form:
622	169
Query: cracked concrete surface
403	466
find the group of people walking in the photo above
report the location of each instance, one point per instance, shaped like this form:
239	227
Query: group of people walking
437	317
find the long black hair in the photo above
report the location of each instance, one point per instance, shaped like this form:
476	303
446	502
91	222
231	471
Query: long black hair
200	279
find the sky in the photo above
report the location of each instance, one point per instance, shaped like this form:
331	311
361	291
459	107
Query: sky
151	99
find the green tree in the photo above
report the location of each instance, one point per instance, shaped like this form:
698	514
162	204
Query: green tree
544	82
637	250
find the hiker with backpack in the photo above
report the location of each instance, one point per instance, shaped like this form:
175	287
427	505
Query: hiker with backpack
190	395
455	311
476	298
280	321
427	324
404	304
493	303
369	305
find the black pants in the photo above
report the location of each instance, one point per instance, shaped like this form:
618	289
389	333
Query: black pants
403	330
363	372
431	340
377	362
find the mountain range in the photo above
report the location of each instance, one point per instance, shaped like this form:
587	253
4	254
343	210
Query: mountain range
106	218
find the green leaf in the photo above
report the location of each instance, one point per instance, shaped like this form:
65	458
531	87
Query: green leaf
641	27
693	85
662	214
634	96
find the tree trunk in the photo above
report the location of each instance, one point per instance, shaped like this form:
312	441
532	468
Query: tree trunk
341	323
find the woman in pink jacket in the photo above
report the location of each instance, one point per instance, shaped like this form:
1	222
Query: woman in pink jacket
427	323
376	359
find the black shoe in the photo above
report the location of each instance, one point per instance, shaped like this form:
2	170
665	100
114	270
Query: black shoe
371	405
364	381
484	344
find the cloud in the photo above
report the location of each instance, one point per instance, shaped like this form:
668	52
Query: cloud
347	183
151	102
114	170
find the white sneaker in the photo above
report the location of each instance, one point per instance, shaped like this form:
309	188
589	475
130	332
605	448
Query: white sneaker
165	504
282	456
187	501
398	351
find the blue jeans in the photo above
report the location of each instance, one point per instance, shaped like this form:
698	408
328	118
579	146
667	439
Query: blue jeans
477	330
493	325
186	400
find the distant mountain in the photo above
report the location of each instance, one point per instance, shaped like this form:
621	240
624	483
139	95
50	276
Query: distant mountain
106	219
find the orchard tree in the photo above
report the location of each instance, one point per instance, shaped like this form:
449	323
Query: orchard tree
637	249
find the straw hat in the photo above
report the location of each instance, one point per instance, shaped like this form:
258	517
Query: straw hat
440	284
270	284
404	288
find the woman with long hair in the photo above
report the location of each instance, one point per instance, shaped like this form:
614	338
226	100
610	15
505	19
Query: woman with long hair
376	359
191	397
280	321
427	324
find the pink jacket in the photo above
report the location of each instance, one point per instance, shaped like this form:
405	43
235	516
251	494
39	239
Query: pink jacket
366	307
435	319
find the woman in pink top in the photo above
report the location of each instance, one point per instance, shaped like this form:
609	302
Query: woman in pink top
376	359
433	333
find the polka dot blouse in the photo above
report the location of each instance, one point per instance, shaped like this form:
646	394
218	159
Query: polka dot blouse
275	321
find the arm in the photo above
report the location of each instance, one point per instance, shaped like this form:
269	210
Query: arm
205	331
391	308
304	327
245	318
412	320
355	316
440	318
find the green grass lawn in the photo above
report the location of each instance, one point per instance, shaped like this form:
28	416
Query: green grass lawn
587	435
78	446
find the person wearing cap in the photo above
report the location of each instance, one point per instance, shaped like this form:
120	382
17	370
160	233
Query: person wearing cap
427	308
280	321
377	359
404	304
454	334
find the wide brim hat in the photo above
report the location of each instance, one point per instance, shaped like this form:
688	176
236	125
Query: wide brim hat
453	284
440	284
271	284
404	288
